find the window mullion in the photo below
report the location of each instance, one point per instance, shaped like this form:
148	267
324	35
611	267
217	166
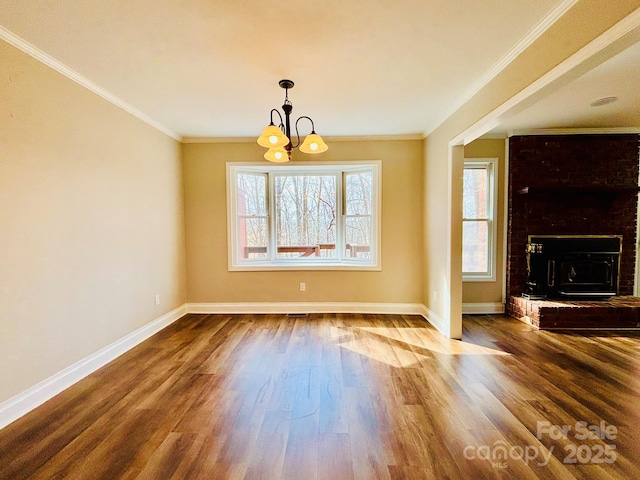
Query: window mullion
272	246
340	216
247	224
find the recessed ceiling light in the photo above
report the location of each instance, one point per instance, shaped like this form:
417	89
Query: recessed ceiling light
603	101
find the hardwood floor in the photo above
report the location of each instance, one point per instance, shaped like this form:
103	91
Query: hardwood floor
342	397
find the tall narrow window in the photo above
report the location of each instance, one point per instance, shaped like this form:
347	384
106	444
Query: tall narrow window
251	211
478	226
307	216
357	213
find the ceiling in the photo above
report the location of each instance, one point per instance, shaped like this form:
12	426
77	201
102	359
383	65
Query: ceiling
567	103
210	68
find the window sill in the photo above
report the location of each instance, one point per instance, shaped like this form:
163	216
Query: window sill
478	279
274	267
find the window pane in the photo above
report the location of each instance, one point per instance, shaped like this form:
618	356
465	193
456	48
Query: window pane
252	237
306	216
293	216
475	247
358	193
476	193
358	237
252	194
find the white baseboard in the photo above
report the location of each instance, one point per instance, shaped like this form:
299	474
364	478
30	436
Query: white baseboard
482	308
21	404
321	307
434	319
306	307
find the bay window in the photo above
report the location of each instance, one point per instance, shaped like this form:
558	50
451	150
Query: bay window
310	216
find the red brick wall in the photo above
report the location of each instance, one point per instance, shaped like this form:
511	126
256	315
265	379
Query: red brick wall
556	164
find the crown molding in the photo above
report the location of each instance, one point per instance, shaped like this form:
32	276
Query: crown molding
21	44
490	121
351	138
219	139
537	31
575	131
373	138
493	136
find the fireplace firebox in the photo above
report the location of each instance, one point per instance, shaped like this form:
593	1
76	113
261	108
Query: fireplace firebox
567	266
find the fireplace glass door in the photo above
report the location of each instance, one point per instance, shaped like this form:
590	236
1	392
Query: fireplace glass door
572	266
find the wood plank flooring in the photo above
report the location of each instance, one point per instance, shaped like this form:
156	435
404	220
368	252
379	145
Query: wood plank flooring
332	396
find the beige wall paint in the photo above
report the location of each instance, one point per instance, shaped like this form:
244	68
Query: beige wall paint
91	223
206	225
585	21
490	292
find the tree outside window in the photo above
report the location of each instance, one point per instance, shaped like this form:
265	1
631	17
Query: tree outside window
304	216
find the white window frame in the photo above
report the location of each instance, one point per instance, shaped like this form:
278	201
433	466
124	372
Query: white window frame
491	166
237	263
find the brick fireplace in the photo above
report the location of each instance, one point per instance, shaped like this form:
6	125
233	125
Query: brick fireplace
572	185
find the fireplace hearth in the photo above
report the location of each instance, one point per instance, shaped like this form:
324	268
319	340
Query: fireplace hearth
572	267
573	185
619	312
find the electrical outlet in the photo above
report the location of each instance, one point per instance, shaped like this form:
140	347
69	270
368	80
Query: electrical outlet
157	299
303	287
435	295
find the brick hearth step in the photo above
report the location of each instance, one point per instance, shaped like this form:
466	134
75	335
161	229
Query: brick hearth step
615	312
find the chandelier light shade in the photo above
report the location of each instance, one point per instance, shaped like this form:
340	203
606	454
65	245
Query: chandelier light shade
313	144
278	138
272	137
278	155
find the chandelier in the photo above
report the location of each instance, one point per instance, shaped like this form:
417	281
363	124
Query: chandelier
278	138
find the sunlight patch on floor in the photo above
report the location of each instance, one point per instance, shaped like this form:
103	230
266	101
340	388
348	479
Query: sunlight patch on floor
435	343
381	351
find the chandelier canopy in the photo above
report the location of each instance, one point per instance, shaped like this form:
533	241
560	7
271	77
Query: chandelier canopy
278	138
